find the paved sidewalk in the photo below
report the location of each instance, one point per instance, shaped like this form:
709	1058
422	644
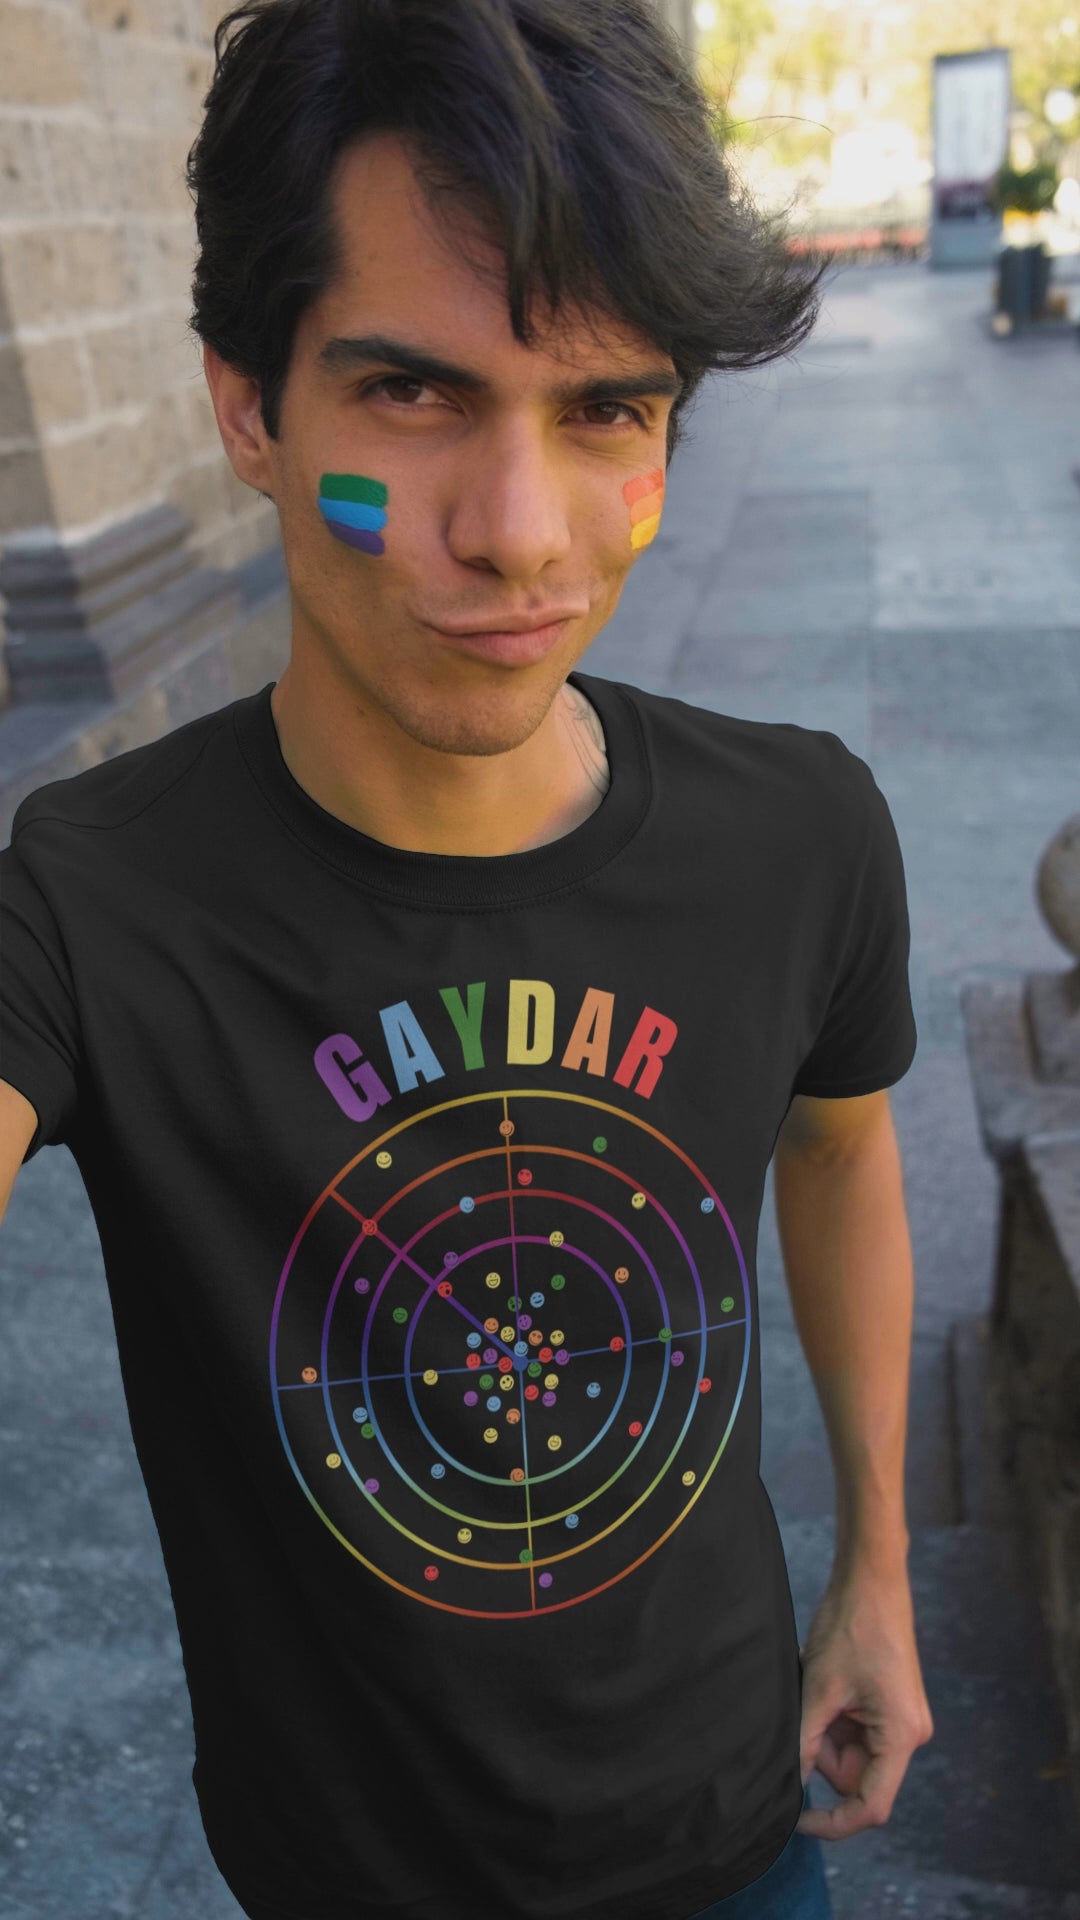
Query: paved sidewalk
882	539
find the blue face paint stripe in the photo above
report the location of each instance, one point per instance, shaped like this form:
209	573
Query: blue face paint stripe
349	513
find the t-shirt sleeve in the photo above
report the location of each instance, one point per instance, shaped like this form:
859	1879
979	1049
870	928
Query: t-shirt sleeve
39	1027
867	1037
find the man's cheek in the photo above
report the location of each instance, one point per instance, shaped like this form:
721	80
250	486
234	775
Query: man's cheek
354	509
645	498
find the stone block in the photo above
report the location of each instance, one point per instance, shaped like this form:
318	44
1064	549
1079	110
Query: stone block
44	63
53	274
157	19
103	474
25	495
17	420
52	371
81	166
148	82
115	356
24	183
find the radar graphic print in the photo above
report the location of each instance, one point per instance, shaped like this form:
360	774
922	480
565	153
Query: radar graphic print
511	1335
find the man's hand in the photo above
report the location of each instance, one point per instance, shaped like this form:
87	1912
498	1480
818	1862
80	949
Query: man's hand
864	1705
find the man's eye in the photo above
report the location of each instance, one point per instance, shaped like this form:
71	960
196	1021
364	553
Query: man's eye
418	386
397	380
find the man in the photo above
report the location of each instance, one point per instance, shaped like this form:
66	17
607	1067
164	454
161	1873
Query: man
423	1027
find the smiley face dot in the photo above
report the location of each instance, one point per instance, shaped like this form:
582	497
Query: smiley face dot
370	1226
467	1203
309	1376
506	1128
637	1200
450	1259
557	1336
525	1556
573	1519
593	1389
359	1414
621	1274
506	1381
431	1573
430	1376
333	1459
524	1177
599	1144
517	1474
513	1415
556	1239
444	1289
438	1471
561	1357
617	1344
551	1380
362	1286
558	1281
464	1534
532	1391
554	1442
677	1356
726	1303
372	1486
708	1205
544	1580
492	1280
367	1430
705	1384
401	1314
491	1434
665	1333
634	1429
384	1159
689	1477
491	1326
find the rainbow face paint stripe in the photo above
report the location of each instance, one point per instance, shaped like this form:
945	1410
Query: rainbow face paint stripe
354	509
645	499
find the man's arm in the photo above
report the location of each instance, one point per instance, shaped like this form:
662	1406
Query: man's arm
844	1235
847	1256
18	1124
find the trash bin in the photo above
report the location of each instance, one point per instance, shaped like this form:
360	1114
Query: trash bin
1024	281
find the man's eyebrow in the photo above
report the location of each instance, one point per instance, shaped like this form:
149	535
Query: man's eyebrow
345	354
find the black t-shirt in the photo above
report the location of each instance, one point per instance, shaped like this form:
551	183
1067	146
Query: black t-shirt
428	1190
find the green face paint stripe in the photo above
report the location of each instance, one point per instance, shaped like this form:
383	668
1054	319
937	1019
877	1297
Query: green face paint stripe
353	486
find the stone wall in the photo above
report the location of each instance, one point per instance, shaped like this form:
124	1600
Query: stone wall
104	409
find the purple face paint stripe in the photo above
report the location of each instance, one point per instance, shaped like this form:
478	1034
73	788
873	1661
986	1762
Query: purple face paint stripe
357	537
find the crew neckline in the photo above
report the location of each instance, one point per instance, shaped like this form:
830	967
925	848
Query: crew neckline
453	880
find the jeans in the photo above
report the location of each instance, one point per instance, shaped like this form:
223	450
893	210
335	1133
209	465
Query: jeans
794	1888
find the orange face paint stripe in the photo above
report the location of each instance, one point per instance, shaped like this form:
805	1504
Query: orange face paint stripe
645	509
643	485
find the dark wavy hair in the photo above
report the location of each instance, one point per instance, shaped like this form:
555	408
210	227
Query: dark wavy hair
576	129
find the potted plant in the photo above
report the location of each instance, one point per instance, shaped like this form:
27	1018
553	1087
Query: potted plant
1020	195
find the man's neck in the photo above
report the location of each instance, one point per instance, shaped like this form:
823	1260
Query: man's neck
572	775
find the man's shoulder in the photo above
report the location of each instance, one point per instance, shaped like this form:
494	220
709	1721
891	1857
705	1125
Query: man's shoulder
784	756
119	789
